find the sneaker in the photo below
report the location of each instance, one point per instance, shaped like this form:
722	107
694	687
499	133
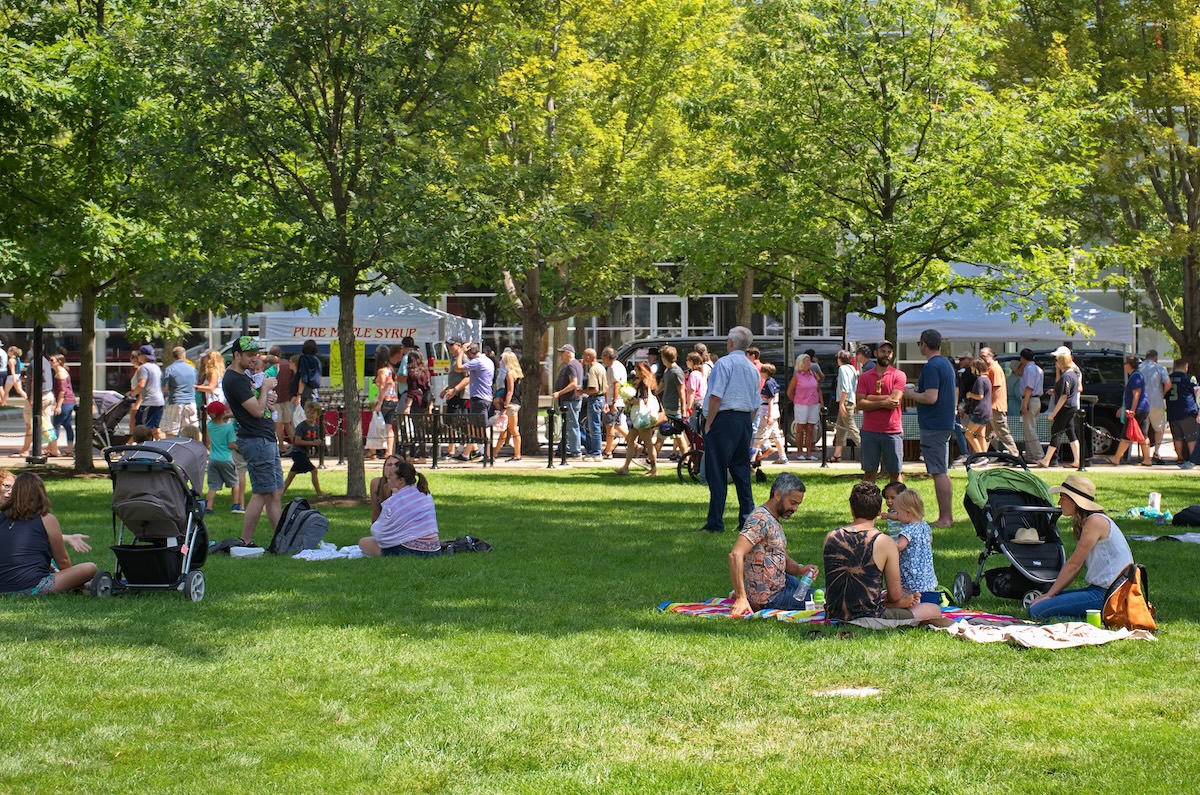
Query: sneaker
778	460
236	508
209	511
1187	465
475	454
1157	460
460	457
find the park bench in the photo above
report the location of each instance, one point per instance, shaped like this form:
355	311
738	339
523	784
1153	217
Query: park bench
454	429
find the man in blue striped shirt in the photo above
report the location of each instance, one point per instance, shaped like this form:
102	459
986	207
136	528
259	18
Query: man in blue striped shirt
733	397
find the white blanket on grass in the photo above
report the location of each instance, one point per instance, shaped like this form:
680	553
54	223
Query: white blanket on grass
1048	636
328	551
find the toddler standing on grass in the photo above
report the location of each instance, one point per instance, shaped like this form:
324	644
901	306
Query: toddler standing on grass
306	437
914	539
222	441
890	492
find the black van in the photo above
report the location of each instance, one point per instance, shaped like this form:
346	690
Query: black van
1103	378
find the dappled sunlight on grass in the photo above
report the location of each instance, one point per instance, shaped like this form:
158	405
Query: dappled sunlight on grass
543	665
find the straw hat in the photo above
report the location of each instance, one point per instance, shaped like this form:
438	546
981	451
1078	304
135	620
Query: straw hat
1027	535
1081	491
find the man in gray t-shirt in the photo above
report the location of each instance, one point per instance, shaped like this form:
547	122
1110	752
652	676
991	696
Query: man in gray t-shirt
147	389
179	378
845	425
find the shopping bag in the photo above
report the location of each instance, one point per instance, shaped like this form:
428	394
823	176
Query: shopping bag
500	422
1133	429
377	432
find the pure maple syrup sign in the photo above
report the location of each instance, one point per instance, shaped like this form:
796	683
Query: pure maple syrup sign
363	332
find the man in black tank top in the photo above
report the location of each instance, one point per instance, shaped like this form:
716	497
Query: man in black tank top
860	561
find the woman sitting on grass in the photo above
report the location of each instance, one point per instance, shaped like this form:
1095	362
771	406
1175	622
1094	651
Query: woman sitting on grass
30	537
407	521
1100	547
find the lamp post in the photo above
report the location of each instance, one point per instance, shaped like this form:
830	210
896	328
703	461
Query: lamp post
35	397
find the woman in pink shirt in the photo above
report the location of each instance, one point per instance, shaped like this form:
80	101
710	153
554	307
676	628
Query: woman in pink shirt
805	392
407	523
696	384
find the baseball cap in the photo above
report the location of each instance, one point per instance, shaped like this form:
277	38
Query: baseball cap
881	343
569	348
966	355
454	341
246	344
148	352
216	408
1061	349
408	342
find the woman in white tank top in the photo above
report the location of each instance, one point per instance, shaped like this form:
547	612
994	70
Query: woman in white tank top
1100	549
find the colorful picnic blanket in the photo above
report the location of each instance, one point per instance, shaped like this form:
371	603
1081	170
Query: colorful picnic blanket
719	607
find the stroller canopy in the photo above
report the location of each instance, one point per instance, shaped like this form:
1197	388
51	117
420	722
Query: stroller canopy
981	481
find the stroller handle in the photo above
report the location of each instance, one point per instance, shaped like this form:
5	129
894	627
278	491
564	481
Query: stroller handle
111	454
1002	458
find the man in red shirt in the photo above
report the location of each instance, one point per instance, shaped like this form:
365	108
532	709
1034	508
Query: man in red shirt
880	392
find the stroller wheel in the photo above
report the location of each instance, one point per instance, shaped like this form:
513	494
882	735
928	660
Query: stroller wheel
193	585
100	585
1029	598
689	466
963	589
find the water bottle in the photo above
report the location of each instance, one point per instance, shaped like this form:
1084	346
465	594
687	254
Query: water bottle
806	583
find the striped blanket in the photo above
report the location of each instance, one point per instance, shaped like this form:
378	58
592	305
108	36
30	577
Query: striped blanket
719	607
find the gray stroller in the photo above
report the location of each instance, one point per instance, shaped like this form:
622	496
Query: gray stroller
157	500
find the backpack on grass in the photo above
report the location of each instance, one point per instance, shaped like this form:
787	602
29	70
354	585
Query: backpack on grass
465	544
1127	603
1188	517
300	527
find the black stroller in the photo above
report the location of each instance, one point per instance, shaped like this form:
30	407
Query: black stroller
1012	513
109	410
156	498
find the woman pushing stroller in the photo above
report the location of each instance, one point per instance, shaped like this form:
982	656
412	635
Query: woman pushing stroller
1100	548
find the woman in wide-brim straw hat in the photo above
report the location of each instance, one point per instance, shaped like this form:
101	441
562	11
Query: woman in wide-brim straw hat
1100	548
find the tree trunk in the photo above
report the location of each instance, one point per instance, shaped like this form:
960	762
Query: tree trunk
891	322
533	329
87	381
356	479
745	299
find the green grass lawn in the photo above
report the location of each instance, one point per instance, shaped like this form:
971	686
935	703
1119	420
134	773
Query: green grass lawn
545	667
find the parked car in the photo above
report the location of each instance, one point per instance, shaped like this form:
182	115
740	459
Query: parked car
1103	378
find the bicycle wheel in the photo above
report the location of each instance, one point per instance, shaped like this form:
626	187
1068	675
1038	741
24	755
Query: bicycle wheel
690	464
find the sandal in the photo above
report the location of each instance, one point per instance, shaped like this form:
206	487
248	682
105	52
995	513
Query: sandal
833	459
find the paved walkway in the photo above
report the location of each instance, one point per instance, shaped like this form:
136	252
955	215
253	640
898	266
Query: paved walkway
12	432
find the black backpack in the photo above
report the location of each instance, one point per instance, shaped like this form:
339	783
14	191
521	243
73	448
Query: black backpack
465	544
1188	517
300	527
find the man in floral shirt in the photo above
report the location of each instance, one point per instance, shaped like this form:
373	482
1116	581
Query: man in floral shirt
762	572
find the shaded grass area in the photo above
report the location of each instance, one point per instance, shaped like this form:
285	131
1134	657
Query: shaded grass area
543	666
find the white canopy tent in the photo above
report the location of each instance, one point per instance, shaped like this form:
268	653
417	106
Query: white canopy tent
385	317
970	320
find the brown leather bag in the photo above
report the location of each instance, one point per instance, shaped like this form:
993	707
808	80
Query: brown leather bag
1127	603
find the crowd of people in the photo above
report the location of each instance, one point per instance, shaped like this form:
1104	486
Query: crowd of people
260	401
